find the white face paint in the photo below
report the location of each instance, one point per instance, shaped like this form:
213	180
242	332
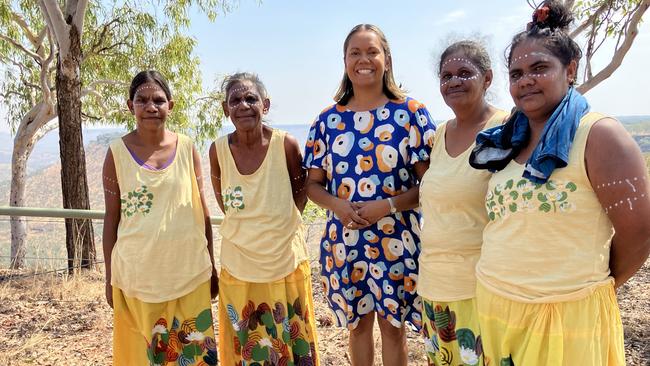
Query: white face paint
242	95
158	103
632	184
446	78
541	57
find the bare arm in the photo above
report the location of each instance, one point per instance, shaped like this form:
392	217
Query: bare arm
215	175
111	218
343	209
214	284
373	211
297	174
612	155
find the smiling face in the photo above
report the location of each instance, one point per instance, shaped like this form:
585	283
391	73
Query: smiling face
245	106
150	106
365	60
538	79
461	83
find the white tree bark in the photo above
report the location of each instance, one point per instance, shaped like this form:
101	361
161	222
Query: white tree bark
32	128
620	53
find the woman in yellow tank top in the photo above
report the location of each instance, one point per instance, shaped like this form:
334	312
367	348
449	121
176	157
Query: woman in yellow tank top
568	212
157	239
266	311
453	214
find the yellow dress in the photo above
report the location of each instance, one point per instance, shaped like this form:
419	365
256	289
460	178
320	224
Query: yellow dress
453	216
161	265
544	293
266	311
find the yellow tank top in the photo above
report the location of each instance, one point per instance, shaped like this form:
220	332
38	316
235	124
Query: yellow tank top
161	250
262	233
546	243
452	197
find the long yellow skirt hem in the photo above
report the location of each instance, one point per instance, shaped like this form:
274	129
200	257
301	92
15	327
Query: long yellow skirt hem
587	331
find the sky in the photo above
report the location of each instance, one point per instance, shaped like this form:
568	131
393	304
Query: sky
296	48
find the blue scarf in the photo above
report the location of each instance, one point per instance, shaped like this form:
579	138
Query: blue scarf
497	146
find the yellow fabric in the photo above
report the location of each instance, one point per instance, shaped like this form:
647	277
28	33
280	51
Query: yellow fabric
579	332
271	322
546	243
262	233
175	332
161	250
453	216
451	333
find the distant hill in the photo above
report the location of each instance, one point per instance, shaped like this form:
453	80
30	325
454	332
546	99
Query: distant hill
630	120
37	196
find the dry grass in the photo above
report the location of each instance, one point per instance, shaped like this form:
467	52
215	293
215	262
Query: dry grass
57	320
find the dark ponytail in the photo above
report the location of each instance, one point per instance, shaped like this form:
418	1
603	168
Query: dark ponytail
550	25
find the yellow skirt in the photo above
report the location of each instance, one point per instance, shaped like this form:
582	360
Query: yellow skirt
267	322
587	331
176	332
451	332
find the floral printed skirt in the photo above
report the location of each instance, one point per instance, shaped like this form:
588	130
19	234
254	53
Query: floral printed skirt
267	323
176	332
586	331
451	332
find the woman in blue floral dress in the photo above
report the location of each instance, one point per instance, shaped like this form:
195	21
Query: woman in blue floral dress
365	155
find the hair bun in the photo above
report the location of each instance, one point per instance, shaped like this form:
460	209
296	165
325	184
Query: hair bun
552	14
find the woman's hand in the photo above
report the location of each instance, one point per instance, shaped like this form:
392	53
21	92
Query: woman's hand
372	211
109	294
348	215
214	284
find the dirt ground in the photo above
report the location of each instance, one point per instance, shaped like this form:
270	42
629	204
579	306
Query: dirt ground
52	319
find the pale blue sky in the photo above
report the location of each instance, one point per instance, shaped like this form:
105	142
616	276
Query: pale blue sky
296	48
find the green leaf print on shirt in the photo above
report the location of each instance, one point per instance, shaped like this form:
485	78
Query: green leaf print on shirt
526	196
139	200
233	198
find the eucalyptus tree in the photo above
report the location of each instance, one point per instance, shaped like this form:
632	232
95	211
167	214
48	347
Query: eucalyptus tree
72	62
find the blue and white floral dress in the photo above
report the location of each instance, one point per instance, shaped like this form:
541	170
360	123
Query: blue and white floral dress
369	156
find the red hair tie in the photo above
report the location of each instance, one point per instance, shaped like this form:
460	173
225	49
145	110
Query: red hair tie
540	15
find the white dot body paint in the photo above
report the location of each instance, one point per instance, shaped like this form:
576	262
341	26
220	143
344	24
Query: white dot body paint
459	78
526	55
631	198
148	86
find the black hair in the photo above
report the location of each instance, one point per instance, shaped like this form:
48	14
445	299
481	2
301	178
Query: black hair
149	76
472	50
550	26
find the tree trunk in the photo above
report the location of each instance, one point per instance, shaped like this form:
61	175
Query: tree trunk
16	199
79	236
30	130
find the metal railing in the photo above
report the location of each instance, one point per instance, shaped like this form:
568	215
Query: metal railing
66	213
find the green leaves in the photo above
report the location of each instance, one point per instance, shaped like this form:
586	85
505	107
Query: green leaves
203	320
120	38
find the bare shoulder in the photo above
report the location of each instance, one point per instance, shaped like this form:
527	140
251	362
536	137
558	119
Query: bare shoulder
608	140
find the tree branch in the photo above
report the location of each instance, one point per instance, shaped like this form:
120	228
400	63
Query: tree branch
79	13
21	47
57	24
589	21
630	34
23	24
45	71
95	83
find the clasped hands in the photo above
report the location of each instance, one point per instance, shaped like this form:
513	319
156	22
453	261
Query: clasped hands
360	215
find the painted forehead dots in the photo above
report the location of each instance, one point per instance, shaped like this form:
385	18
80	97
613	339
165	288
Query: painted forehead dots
628	201
148	86
532	54
460	59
